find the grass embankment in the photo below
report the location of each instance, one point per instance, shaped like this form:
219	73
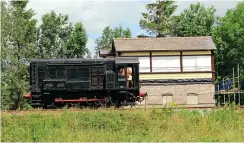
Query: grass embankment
123	125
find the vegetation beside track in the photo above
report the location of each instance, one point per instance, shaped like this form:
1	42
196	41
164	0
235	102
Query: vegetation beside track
123	125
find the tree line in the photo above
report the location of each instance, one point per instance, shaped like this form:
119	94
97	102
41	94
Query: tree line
23	39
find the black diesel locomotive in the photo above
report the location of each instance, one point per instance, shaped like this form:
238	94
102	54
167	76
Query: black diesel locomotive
80	82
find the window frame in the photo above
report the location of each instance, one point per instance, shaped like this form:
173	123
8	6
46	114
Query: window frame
165	65
196	67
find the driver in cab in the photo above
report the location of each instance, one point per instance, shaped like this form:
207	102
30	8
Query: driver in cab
128	76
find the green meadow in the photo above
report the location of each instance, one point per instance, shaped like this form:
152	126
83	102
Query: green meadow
105	125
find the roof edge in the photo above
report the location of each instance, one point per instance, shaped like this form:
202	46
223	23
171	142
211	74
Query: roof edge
165	50
191	37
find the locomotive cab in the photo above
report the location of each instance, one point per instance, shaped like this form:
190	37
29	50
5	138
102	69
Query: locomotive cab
127	73
125	76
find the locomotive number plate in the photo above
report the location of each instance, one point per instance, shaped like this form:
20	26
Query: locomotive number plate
121	79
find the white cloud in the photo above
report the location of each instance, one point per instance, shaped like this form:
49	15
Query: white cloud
96	14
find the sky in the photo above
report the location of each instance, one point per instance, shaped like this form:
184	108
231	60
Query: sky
97	14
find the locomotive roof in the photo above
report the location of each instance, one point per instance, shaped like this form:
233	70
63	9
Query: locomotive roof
93	60
126	60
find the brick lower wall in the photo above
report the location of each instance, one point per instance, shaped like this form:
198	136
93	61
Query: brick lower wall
203	94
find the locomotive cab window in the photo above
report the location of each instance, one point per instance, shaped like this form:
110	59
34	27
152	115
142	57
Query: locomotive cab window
125	76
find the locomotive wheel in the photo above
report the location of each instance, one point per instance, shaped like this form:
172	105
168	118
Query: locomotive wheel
99	105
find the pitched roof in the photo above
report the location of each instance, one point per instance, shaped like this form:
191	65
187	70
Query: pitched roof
169	43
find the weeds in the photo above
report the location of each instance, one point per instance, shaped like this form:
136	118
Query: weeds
124	125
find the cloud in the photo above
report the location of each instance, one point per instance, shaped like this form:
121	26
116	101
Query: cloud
220	5
96	14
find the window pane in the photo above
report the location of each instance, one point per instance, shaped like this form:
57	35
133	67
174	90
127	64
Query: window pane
166	64
189	63
144	64
203	63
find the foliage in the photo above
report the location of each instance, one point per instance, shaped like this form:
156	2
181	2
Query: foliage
57	38
18	37
15	85
195	21
228	36
158	20
76	45
119	32
53	35
143	36
105	41
6	23
23	29
88	54
22	40
155	125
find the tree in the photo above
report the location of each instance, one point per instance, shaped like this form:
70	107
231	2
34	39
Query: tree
88	54
57	38
119	32
105	41
18	30
52	36
6	29
76	46
195	21
6	25
23	29
228	36
14	85
143	36
22	40
158	21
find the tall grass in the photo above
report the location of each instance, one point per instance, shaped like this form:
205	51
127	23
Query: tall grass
124	125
